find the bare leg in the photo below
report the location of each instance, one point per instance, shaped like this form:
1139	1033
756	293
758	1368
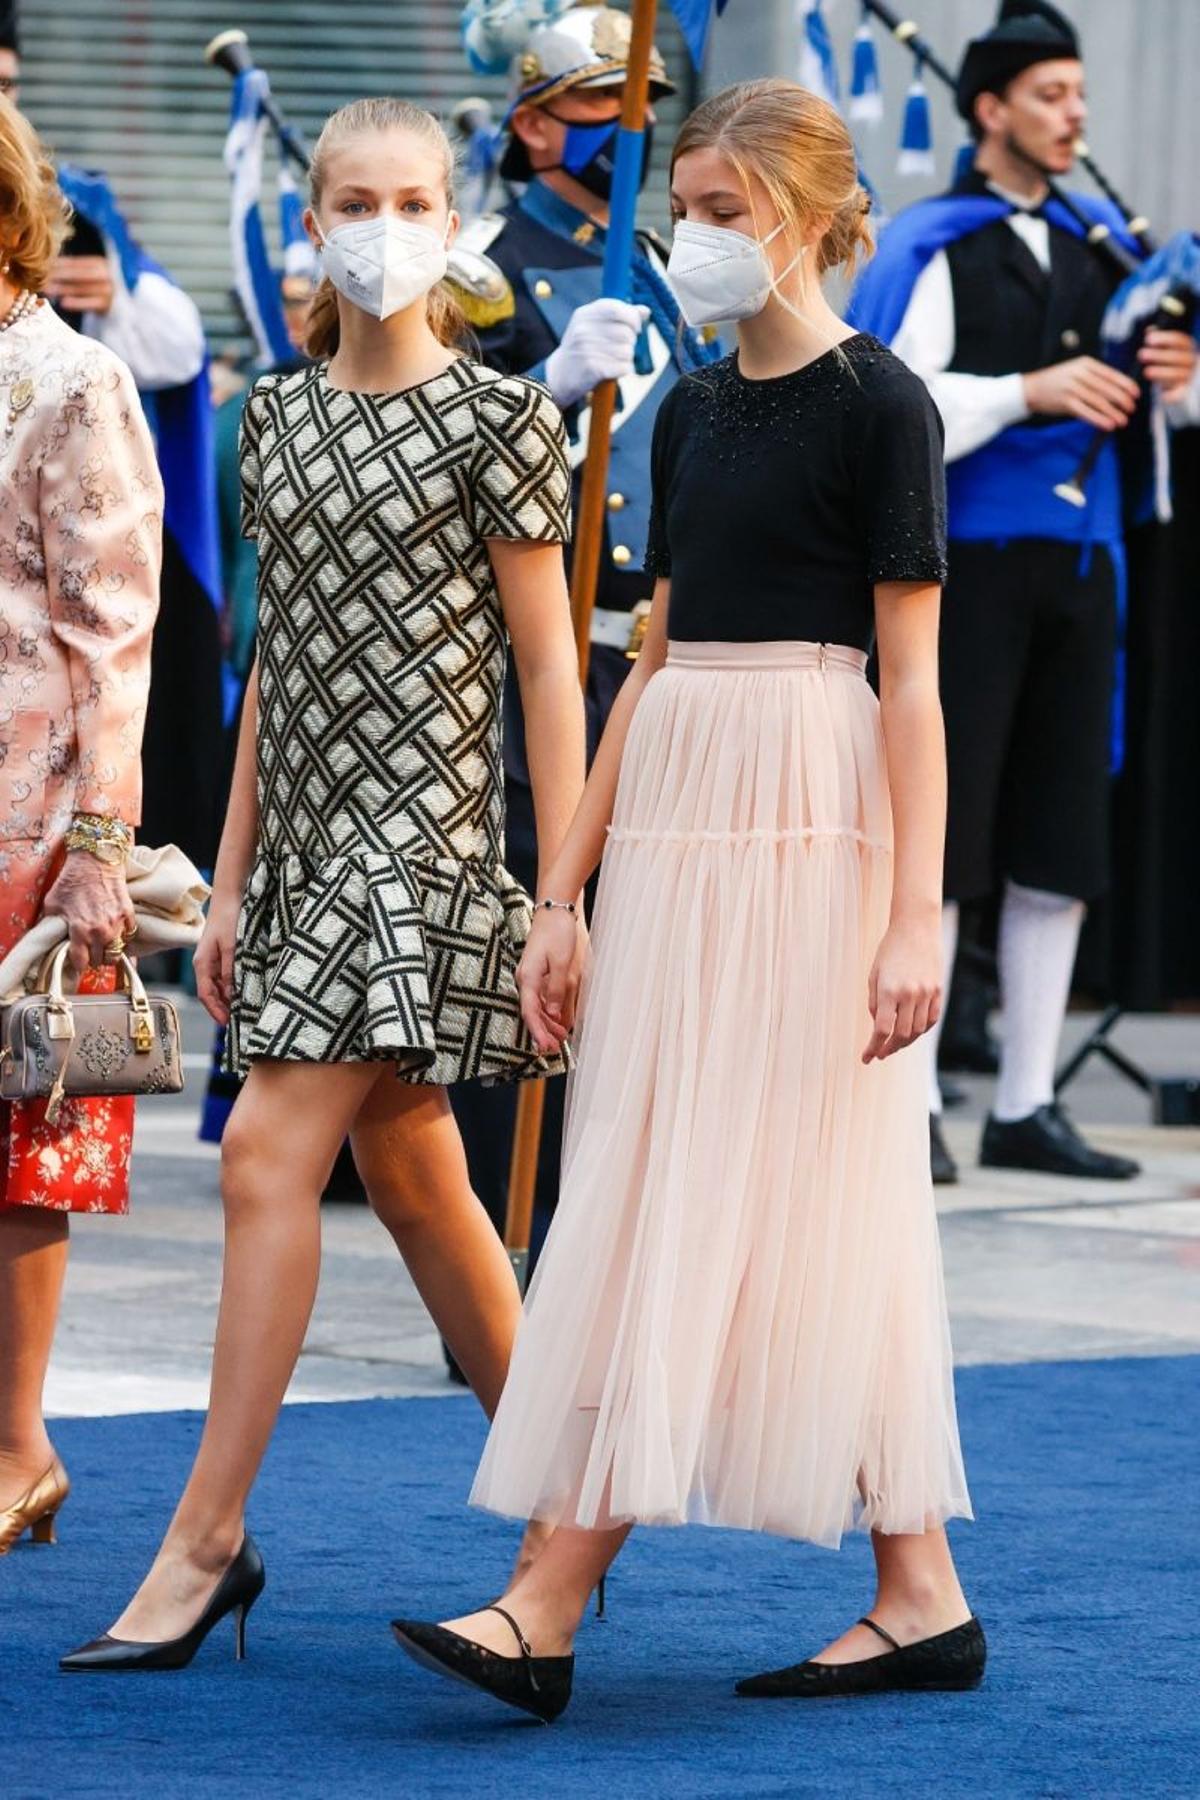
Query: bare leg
549	1598
278	1148
33	1261
409	1154
917	1595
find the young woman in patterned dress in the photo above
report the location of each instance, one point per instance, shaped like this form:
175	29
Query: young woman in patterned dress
410	508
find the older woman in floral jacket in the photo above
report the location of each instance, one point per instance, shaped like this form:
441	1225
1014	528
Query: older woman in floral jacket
80	528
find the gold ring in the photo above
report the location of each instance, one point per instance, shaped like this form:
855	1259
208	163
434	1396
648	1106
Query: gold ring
114	949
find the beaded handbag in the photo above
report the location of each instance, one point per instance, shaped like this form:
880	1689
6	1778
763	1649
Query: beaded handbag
54	1044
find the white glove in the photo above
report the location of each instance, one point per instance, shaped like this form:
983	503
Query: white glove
598	345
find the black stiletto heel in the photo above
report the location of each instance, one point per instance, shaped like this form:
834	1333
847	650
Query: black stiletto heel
540	1685
236	1592
600	1596
950	1662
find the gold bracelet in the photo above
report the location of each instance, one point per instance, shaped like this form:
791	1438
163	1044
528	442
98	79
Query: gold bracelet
101	835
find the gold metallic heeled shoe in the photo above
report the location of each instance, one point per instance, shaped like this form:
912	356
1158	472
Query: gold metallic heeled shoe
36	1510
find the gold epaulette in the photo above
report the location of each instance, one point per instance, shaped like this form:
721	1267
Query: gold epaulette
480	286
483	310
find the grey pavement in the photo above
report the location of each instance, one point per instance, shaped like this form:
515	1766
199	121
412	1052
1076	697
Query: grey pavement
1037	1267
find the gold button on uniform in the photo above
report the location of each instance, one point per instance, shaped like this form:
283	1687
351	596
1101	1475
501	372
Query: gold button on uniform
615	502
1070	339
542	290
622	554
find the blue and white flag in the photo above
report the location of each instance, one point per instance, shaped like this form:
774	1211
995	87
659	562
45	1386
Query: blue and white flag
257	283
818	65
695	20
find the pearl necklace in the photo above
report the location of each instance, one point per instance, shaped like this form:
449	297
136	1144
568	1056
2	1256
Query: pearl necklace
21	307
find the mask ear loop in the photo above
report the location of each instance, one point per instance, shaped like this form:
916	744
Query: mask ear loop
783	275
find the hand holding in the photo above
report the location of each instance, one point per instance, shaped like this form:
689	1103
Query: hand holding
213	961
598	345
82	284
548	977
92	899
1083	388
1168	359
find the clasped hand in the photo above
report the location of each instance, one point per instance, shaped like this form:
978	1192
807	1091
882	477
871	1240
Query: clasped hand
549	975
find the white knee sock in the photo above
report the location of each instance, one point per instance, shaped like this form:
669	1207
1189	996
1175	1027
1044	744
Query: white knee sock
932	1038
1039	934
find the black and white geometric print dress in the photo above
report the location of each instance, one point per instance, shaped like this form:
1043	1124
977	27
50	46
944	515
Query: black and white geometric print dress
379	921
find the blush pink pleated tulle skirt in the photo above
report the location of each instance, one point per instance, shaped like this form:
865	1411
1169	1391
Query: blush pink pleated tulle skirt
739	1316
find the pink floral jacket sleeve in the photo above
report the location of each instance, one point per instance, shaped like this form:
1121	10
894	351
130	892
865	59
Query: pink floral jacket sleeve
80	559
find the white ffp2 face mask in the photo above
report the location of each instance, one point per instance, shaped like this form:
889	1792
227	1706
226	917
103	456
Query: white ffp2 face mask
383	264
718	273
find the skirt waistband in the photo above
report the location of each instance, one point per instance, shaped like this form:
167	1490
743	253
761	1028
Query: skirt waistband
774	654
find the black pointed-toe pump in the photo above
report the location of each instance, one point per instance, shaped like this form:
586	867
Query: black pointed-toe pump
540	1685
236	1592
951	1661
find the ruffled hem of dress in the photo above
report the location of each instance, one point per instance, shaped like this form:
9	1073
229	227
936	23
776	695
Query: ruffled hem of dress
375	956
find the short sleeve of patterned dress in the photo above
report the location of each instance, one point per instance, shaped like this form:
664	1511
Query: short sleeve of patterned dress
522	478
250	452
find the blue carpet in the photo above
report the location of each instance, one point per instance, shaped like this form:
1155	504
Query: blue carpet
1085	1569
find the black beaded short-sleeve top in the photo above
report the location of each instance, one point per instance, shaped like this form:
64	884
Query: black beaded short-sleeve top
779	504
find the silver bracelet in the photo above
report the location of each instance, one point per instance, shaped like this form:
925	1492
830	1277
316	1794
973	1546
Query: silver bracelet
555	905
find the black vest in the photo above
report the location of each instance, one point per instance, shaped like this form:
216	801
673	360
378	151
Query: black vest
1009	316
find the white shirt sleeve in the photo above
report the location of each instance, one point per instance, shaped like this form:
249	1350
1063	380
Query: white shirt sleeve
974	408
154	328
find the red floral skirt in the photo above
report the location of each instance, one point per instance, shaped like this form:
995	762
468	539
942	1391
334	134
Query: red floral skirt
82	1163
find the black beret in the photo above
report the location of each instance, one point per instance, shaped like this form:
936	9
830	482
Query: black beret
1026	32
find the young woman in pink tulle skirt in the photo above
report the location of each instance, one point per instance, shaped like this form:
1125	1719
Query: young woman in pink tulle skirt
739	1318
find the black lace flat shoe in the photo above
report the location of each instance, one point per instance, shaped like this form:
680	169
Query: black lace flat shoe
942	1165
1047	1141
951	1661
236	1592
540	1685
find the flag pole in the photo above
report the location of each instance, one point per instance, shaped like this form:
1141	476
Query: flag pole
588	541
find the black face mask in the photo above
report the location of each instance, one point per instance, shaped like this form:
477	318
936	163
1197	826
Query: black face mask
590	154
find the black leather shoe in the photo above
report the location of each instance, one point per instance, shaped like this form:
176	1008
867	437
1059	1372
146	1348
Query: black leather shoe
237	1590
540	1685
1048	1142
952	1661
942	1165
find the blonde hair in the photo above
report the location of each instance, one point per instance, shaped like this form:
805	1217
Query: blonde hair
34	217
799	148
445	316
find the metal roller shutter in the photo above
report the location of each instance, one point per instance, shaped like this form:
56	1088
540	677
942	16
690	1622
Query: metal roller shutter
122	87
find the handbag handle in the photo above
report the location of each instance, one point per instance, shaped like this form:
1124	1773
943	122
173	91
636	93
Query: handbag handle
133	982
